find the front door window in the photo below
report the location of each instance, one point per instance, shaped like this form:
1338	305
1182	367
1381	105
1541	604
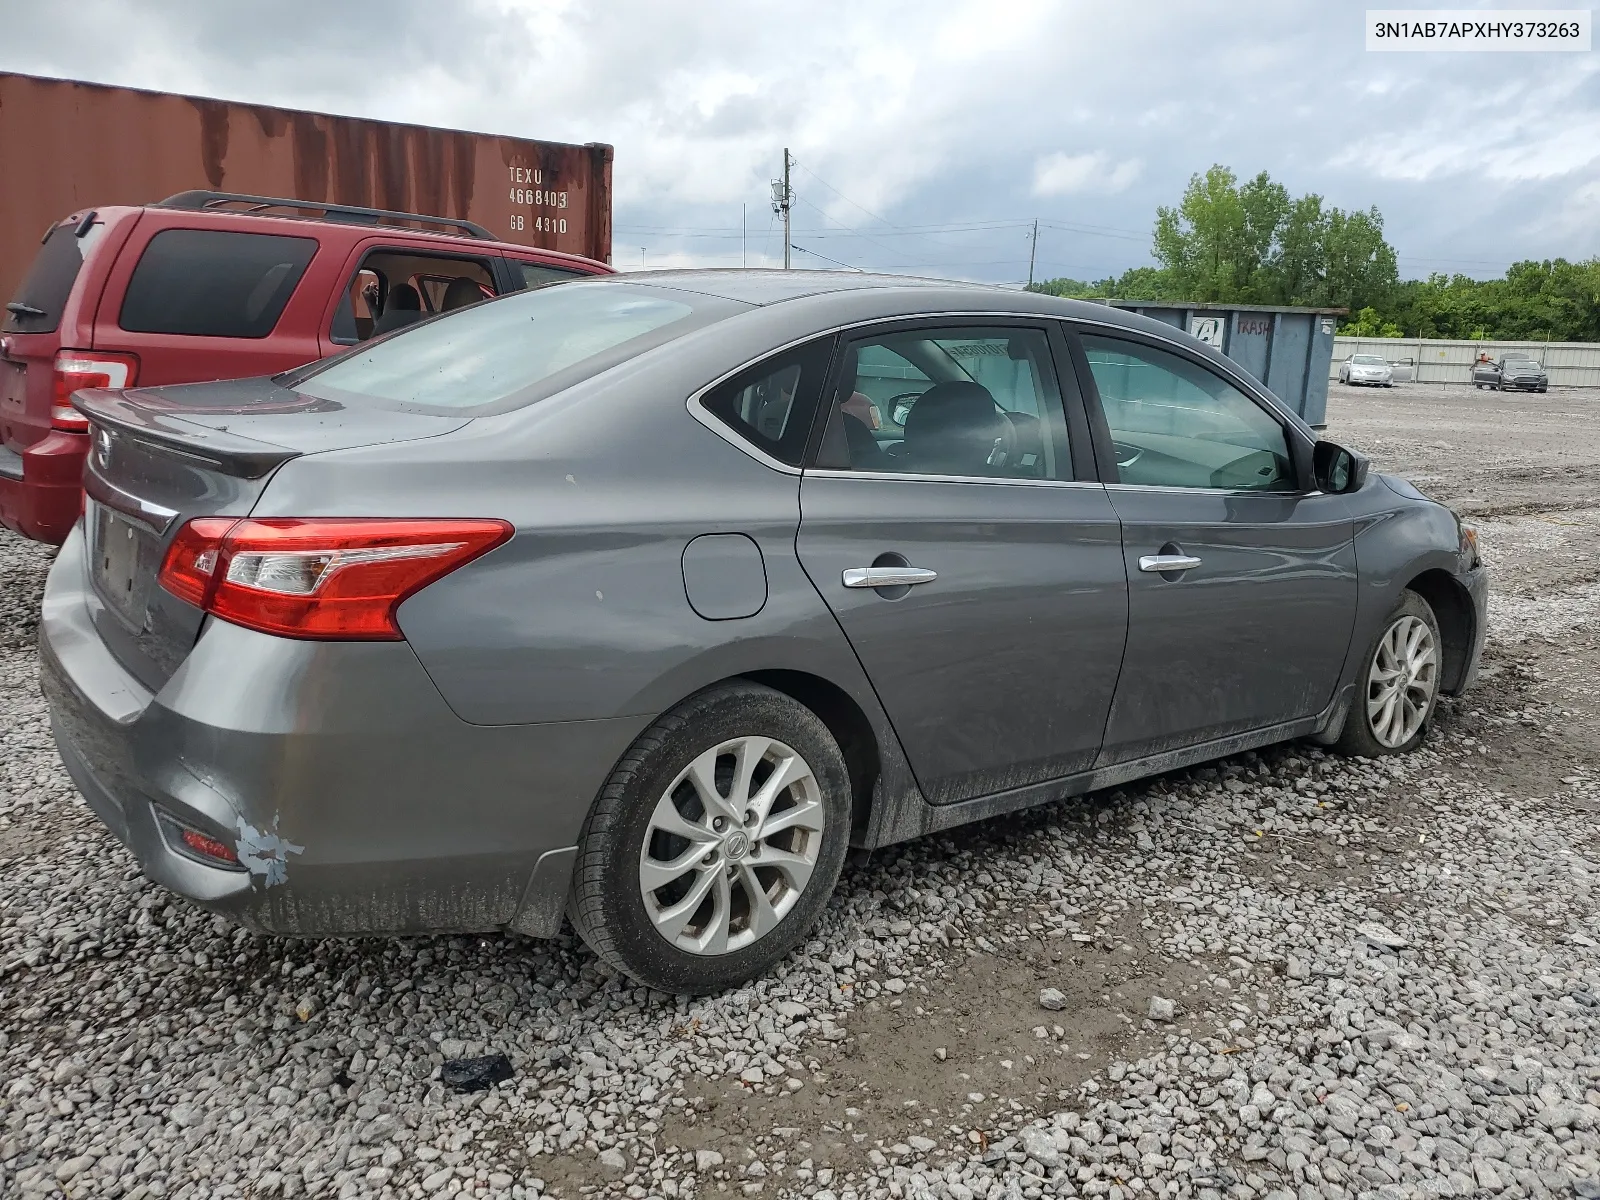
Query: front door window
1175	424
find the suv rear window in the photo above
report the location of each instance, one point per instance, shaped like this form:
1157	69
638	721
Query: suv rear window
37	306
210	283
514	350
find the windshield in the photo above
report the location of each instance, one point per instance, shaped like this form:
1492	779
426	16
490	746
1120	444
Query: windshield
1369	360
1521	362
514	350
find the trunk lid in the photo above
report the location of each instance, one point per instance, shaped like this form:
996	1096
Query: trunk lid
161	456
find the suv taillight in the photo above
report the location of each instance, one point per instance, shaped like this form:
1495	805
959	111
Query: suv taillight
76	369
338	578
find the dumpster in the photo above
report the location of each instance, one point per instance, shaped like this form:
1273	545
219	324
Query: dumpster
1287	349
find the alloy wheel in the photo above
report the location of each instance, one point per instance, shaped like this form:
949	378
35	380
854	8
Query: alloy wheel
731	845
1402	681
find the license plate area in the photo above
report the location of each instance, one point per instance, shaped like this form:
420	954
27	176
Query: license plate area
13	388
123	564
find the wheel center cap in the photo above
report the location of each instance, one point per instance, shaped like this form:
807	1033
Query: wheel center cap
736	845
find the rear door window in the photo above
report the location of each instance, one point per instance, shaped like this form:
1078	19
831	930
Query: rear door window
212	283
36	308
968	402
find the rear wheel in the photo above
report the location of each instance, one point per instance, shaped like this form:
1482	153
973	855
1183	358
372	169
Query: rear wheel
1398	685
716	842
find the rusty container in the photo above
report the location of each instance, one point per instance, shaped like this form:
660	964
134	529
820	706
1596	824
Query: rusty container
66	146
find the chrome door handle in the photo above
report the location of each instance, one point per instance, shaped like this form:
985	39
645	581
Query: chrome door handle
1167	562
884	577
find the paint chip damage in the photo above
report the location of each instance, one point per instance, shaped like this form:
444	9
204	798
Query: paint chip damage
264	852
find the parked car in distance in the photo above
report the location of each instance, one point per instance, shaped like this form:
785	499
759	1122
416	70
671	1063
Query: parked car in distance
212	285
613	600
1371	370
1514	372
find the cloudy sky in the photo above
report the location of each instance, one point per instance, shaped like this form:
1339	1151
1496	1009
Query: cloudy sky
929	135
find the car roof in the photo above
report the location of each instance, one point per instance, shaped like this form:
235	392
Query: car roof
286	223
763	287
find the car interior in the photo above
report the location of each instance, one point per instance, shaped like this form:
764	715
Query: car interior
956	403
391	290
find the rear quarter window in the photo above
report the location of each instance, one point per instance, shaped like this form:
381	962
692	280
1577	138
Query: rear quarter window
213	283
538	274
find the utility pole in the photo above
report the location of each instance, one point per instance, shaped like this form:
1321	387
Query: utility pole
744	233
782	197
1033	249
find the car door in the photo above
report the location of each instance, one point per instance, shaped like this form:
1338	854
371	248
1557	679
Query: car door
952	522
1241	576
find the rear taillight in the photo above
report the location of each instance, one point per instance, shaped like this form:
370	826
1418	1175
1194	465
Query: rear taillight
76	369
339	578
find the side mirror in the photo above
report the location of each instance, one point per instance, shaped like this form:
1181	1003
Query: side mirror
1336	469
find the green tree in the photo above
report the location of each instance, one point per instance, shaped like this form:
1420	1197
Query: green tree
1202	242
1253	243
1367	323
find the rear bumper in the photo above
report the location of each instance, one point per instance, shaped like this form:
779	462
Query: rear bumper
1476	583
359	801
41	486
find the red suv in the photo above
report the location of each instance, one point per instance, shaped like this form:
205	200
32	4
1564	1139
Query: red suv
213	285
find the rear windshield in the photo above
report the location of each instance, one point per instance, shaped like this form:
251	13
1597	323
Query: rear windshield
211	283
36	308
510	351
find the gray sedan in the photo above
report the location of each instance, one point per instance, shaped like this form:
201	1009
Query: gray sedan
1514	372
639	600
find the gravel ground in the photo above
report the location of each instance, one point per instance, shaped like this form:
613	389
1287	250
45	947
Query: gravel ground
1280	975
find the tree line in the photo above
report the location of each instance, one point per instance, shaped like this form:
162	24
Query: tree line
1228	242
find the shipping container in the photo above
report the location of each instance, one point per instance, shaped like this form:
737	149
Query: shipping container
67	146
1287	349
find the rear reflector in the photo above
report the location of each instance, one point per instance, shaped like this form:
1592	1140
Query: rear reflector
337	578
76	369
194	843
208	846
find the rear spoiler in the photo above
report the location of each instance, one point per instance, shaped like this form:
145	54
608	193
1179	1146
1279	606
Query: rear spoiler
160	430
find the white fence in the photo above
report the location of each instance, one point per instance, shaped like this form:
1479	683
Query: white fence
1567	363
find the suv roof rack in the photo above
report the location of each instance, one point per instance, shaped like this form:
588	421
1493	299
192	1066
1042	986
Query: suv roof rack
349	213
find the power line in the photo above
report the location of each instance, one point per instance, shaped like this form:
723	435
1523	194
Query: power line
834	261
848	229
842	196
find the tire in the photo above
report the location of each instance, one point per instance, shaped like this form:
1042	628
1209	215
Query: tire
1373	729
656	788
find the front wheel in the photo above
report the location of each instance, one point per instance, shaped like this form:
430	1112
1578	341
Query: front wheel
716	842
1398	685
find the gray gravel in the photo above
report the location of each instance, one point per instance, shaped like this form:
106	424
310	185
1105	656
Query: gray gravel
1375	979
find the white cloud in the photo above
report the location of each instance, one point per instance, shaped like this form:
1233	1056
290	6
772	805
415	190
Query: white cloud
1062	174
911	118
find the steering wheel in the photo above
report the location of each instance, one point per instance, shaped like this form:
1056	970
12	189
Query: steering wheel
893	406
